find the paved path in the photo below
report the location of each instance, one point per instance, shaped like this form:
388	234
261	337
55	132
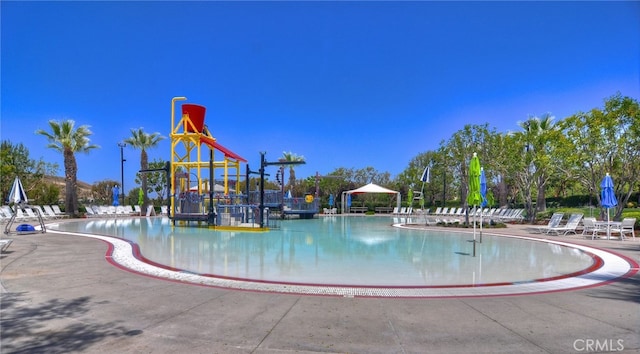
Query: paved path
60	295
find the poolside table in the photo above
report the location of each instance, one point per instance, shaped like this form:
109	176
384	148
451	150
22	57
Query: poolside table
606	225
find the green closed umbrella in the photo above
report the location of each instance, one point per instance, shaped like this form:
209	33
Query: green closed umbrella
490	198
474	197
410	198
140	197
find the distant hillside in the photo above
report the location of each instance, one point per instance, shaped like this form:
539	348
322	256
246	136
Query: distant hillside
84	188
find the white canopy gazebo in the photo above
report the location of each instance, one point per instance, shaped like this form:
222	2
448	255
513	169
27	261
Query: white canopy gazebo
369	188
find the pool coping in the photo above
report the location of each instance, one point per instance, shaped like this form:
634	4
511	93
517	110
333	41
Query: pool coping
125	255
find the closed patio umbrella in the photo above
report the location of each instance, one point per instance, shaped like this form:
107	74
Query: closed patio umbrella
474	198
116	194
425	178
608	198
17	194
483	194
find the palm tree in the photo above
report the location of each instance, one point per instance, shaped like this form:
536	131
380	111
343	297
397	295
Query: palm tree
68	140
143	141
540	135
291	157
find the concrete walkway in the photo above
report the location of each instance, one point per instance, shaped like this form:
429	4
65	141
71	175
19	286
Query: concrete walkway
60	295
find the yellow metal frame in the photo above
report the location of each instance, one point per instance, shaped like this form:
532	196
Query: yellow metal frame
185	141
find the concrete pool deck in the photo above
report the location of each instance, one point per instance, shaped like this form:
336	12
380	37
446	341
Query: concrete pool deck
60	294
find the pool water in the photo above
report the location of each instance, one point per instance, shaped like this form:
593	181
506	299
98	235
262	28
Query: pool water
353	251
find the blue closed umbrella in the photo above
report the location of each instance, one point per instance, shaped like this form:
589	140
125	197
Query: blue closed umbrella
483	194
330	200
607	197
116	194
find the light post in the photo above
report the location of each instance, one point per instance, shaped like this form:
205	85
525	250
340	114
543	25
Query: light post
122	160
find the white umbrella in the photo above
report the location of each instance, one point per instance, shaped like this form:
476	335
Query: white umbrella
17	194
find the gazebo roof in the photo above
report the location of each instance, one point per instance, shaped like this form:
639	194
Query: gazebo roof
371	188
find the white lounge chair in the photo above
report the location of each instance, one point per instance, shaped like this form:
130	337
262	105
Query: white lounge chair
56	209
6	211
570	226
50	213
5	243
555	220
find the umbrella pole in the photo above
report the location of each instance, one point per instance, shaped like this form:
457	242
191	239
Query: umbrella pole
608	226
480	225
474	233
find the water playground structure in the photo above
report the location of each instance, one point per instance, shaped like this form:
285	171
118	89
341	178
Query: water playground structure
196	196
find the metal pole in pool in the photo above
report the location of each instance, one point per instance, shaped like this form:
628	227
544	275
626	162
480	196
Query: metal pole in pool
262	189
122	160
211	218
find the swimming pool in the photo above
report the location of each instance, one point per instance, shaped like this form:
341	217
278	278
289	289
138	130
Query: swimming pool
342	253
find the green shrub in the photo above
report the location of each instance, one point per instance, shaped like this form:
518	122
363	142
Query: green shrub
632	214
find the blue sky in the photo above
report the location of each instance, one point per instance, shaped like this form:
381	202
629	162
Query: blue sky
345	84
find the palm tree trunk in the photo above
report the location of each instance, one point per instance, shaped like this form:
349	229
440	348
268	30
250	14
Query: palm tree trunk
71	183
144	164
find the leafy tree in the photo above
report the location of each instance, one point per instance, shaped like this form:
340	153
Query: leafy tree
409	179
605	141
156	181
69	140
15	162
458	151
45	194
540	137
143	141
102	191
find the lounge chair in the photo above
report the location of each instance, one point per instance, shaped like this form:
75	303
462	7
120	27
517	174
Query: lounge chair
56	209
570	226
626	227
50	213
129	210
91	213
555	220
120	210
20	215
6	211
31	213
4	244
